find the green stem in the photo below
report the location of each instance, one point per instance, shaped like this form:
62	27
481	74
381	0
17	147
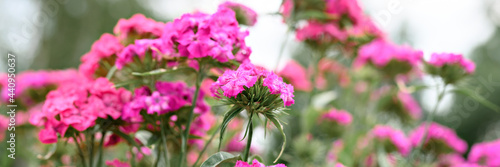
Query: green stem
132	160
80	152
91	152
206	146
185	135
431	117
164	140
313	64
101	144
158	155
249	141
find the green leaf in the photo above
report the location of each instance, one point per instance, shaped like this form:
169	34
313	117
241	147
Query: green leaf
278	125
129	139
147	138
164	71
483	101
233	112
219	158
111	72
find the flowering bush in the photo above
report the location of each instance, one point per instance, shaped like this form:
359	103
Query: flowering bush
158	93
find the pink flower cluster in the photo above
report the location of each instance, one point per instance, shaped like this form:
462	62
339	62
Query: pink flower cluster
486	153
296	75
78	106
102	50
410	104
439	133
396	137
341	117
255	163
440	59
170	97
380	53
244	14
32	80
232	82
335	30
193	36
138	24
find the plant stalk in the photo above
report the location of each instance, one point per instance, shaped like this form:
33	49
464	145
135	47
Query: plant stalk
249	142
185	135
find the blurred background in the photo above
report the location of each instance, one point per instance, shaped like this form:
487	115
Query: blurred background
54	34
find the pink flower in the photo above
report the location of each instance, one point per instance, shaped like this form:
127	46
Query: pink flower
138	24
244	14
341	117
410	104
396	137
321	32
440	59
107	46
255	163
487	153
439	133
380	53
233	83
297	76
117	163
350	8
79	105
286	9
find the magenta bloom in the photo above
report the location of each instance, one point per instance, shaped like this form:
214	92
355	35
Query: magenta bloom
286	9
138	24
79	105
487	153
321	32
255	163
394	136
380	53
410	104
440	59
117	163
194	36
244	14
438	133
102	49
341	117
233	83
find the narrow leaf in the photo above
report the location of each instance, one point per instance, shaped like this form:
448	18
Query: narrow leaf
483	101
233	112
278	125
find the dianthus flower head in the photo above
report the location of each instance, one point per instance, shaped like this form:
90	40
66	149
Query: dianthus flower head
250	82
334	122
244	14
78	106
341	117
389	58
255	163
439	139
215	37
138	27
296	74
103	50
396	138
451	67
487	153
